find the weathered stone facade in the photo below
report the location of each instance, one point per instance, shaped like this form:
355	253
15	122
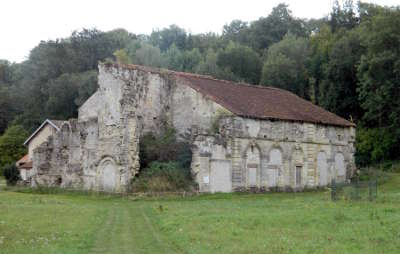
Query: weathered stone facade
99	150
273	155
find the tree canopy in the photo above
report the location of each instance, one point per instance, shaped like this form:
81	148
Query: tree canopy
11	145
347	62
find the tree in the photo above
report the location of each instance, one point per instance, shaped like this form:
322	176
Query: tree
11	174
6	72
285	65
68	92
346	62
166	37
47	62
121	56
236	31
191	58
266	31
174	58
242	61
338	87
207	41
379	74
164	147
367	11
9	106
208	65
320	47
117	38
11	145
89	46
146	54
343	16
7	110
373	145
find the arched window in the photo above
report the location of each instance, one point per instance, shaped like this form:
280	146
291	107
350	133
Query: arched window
275	157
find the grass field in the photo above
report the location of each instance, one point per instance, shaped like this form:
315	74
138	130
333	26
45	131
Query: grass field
222	223
2	183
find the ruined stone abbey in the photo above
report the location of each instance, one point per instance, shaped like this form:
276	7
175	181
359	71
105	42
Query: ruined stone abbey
242	136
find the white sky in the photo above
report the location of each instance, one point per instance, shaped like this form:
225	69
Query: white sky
24	23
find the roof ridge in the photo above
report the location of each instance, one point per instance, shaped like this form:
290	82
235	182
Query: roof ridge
40	127
188	74
236	83
243	99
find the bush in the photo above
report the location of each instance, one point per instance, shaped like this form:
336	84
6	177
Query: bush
374	146
380	171
164	148
162	176
11	145
396	167
11	173
164	163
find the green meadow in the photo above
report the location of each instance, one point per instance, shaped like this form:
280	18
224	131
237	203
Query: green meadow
308	222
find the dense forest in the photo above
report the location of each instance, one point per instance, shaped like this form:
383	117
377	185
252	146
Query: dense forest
347	62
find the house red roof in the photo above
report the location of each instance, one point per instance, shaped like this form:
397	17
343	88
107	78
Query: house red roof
24	162
252	101
27	165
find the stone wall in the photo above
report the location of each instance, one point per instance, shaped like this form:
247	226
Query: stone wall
281	155
99	150
40	137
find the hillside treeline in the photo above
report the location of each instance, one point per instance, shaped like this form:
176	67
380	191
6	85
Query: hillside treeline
347	62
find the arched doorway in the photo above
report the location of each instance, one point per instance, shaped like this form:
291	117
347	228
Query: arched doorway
296	170
108	175
252	165
274	165
322	167
340	167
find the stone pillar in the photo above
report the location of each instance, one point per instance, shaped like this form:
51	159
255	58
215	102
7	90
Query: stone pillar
310	155
237	174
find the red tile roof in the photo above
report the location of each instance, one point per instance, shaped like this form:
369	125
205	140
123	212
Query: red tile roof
24	162
253	101
27	165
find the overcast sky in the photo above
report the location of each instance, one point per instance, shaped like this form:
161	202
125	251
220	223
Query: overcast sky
24	23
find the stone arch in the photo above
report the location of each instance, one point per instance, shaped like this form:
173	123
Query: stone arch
65	132
252	163
322	168
275	146
275	163
108	175
275	156
340	168
66	126
66	129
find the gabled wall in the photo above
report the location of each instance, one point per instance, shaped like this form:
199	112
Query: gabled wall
39	138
